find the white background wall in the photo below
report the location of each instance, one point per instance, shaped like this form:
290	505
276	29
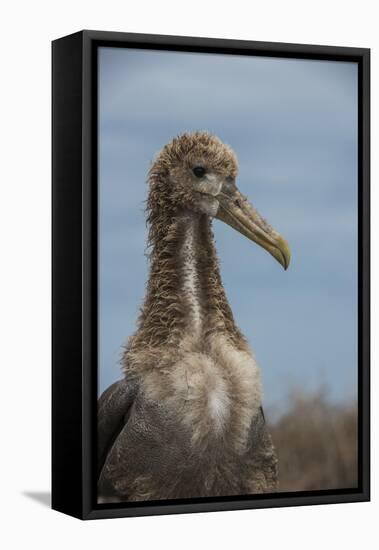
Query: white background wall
26	31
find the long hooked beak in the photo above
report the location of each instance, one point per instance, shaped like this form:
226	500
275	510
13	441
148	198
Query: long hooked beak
235	210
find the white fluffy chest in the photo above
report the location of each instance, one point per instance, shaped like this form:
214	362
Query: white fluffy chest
212	393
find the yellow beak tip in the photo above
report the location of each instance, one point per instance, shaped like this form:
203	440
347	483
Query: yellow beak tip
285	253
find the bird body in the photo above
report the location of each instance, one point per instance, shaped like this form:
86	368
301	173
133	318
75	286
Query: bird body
187	420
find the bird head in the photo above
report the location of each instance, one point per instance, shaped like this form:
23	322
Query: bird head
198	172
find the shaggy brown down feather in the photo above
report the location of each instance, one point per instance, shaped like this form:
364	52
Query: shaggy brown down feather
164	313
196	426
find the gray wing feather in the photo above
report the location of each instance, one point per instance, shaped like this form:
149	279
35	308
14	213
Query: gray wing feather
113	408
265	461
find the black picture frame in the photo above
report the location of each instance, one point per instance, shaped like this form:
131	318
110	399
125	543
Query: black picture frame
74	272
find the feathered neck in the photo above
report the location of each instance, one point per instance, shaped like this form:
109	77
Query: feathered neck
184	294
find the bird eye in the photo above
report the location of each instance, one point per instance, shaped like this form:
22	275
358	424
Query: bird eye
199	171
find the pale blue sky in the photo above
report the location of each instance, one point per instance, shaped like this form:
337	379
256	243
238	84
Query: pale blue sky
293	126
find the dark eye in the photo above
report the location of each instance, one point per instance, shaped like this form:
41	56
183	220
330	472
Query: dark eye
199	171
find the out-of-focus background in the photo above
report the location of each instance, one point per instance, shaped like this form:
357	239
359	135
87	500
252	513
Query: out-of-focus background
316	442
293	125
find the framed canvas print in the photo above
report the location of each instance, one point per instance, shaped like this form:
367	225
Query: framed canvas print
210	274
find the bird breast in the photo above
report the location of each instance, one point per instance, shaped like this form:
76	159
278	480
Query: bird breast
213	394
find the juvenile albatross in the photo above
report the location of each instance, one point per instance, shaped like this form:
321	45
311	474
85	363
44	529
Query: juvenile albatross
186	420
